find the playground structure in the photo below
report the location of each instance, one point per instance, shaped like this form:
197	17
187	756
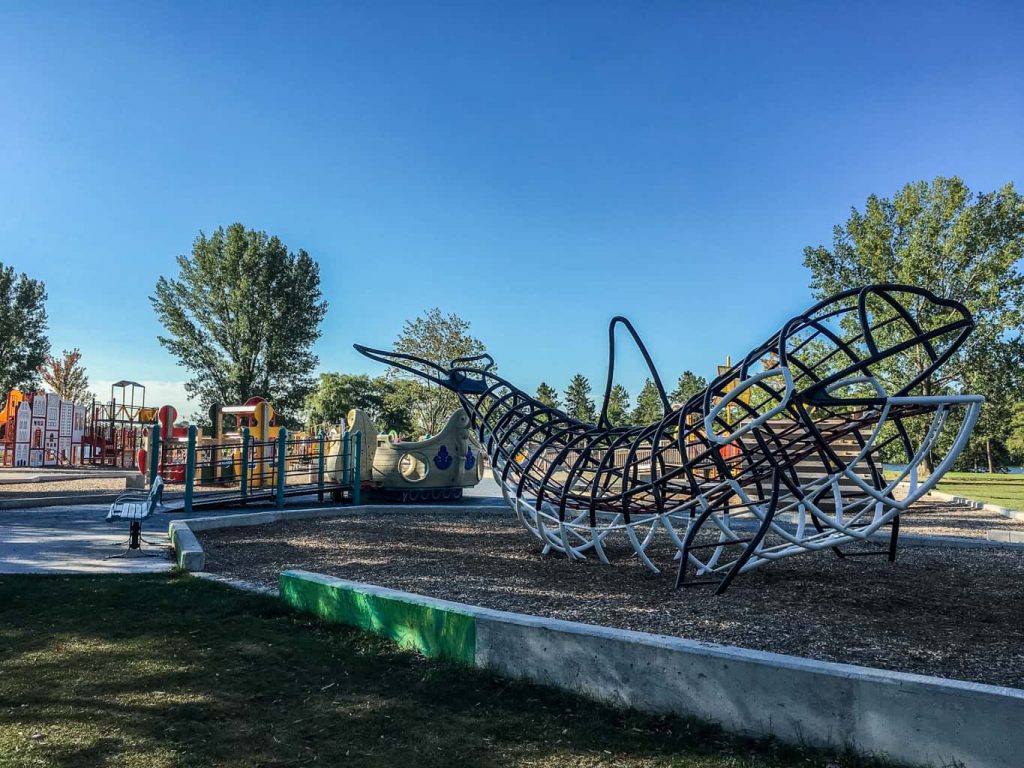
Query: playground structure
42	430
220	451
243	457
247	467
437	468
248	458
781	454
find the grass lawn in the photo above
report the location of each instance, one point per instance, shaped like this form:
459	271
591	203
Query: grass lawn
1004	490
169	670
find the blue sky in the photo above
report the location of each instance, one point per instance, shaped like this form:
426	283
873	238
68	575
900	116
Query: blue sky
534	167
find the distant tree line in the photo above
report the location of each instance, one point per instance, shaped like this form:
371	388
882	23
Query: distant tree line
580	404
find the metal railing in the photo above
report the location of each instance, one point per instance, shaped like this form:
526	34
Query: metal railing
243	469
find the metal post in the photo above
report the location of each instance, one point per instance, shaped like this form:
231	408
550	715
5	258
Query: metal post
154	454
190	467
345	440
358	482
282	442
244	464
322	442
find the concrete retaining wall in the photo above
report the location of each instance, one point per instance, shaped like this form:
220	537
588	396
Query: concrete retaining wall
910	718
414	622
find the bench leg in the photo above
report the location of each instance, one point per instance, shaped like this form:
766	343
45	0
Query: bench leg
135	543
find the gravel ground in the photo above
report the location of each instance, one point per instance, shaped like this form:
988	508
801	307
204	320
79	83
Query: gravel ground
956	613
940	518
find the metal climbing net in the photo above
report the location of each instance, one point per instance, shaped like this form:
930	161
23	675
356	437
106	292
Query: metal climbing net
813	440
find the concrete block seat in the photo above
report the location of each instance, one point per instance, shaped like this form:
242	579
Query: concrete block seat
135	508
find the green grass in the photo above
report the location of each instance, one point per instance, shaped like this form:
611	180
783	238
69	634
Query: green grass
1004	490
173	671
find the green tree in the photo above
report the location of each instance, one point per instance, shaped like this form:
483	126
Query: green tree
689	384
578	403
548	396
66	376
1015	440
23	326
338	393
242	318
958	244
648	404
993	369
618	406
439	338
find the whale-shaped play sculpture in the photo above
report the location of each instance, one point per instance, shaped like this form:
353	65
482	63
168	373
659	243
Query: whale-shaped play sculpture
781	454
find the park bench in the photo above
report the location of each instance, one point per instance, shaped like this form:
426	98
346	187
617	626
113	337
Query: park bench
135	508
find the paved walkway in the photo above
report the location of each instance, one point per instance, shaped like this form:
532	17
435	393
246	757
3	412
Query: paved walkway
76	539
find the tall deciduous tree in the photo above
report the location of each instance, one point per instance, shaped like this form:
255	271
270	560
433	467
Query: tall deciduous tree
689	384
23	325
66	376
1015	441
956	243
618	406
242	317
995	371
439	338
338	393
548	395
578	403
648	404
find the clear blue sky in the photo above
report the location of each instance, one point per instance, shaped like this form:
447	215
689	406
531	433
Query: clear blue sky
534	167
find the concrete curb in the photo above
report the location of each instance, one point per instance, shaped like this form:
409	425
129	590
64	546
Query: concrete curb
1006	538
906	717
188	554
191	557
956	542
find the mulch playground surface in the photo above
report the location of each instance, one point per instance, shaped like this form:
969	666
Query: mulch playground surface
952	612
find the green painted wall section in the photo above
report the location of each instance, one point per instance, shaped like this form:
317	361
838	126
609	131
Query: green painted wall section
437	632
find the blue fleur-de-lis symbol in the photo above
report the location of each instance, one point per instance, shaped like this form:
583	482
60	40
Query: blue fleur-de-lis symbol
470	459
443	460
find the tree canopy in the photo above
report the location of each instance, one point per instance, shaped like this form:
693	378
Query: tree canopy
689	384
578	403
960	245
618	406
648	404
548	395
242	318
338	393
439	338
66	376
23	326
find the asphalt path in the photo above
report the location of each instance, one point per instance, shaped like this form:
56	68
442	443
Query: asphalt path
76	538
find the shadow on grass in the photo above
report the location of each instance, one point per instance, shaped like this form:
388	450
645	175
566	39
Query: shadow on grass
167	670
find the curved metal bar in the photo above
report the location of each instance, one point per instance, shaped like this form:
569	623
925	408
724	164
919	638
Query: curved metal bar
618	319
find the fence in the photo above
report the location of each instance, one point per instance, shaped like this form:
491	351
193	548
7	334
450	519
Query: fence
242	470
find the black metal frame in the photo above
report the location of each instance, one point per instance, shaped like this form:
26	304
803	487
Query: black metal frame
770	414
